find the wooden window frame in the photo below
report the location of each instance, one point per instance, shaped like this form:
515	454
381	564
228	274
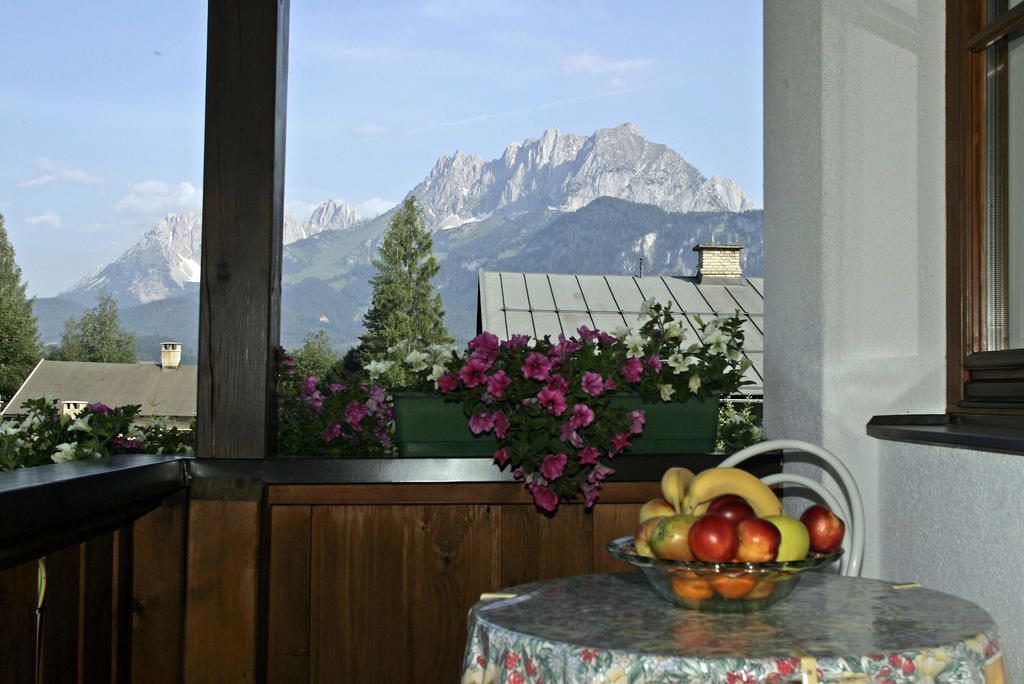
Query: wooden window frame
977	382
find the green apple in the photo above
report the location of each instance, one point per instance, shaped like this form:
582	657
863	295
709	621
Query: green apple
796	541
656	508
671	537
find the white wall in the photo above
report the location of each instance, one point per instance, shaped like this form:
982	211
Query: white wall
855	301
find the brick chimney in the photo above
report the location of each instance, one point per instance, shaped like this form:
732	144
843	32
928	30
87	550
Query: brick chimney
170	355
718	261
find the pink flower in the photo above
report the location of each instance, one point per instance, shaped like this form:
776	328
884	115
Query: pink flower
481	422
620	440
568	434
582	416
564	347
472	374
632	368
588	456
558	383
516	341
447	383
337	387
355	412
544	497
537	366
639	418
502	455
553	401
590	493
586	334
592	383
97	407
497	383
484	347
553	466
654	362
599	473
500	425
332	432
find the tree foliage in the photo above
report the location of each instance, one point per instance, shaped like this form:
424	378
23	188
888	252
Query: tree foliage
405	307
316	357
20	348
97	336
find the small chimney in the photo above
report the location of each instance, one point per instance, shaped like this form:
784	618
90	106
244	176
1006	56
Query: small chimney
718	261
170	355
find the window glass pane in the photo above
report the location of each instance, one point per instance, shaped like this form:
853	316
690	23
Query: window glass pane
1015	192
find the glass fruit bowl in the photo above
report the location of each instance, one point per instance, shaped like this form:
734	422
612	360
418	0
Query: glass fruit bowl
720	587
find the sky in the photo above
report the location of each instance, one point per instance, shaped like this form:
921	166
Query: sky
101	104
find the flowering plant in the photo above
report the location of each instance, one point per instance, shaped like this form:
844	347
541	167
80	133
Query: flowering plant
46	435
346	418
549	403
414	367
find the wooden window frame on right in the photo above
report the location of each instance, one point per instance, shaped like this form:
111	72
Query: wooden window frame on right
985	367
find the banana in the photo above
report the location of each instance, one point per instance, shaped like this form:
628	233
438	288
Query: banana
717	481
674	484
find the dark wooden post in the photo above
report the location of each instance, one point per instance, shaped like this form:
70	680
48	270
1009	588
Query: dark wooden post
243	206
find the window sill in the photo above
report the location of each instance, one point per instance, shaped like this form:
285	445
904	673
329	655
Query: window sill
1002	434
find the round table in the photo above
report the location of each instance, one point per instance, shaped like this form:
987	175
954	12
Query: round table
613	627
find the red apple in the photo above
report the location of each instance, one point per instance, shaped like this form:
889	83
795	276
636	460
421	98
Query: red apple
732	507
825	528
759	540
671	535
642	538
656	507
714	539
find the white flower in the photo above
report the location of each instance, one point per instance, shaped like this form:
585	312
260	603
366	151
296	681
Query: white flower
65	452
694	383
82	424
716	340
416	360
673	330
8	428
377	368
679	363
634	344
621	332
666	391
647	308
436	372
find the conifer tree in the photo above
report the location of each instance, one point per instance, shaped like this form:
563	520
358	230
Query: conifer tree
405	307
20	348
97	336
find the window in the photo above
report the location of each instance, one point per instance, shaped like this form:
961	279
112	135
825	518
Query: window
985	210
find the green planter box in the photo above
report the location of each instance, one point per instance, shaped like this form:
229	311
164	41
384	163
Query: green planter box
675	427
426	426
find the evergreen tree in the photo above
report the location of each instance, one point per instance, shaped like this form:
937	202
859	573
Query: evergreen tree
316	357
97	336
405	306
20	348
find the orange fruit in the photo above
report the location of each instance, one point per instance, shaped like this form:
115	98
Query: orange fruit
689	585
733	586
764	589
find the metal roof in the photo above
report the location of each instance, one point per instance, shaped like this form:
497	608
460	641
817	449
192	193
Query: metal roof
159	392
539	304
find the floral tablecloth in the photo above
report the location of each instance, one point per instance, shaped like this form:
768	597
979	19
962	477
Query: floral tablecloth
612	627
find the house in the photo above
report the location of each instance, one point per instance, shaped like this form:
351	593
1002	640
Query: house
539	304
165	389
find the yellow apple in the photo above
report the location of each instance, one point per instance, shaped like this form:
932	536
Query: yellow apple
796	542
655	508
671	537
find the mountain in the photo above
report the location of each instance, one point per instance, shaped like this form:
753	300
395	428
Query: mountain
558	203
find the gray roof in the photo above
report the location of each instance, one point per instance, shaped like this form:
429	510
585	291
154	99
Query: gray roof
159	392
539	304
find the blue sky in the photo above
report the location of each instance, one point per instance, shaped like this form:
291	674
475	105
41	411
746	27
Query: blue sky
101	104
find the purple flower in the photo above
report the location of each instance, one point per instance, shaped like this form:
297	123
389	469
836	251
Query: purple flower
582	416
592	383
355	412
97	407
590	493
472	373
553	466
332	432
123	442
502	455
632	368
553	401
448	383
637	425
500	425
497	383
481	422
309	384
536	366
544	497
568	433
588	456
599	473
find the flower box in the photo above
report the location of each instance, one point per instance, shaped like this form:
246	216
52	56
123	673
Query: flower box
674	427
426	426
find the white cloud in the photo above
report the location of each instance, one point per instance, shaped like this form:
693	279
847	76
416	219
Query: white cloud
47	218
299	209
53	171
595	65
373	207
158	197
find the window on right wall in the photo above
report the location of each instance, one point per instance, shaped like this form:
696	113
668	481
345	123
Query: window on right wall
985	206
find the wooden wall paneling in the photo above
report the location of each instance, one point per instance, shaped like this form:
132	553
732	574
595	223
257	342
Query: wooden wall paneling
158	592
449	561
123	605
96	612
221	618
288	624
536	546
612	520
18	617
61	618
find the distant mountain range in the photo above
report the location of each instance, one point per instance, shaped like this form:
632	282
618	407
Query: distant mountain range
558	203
